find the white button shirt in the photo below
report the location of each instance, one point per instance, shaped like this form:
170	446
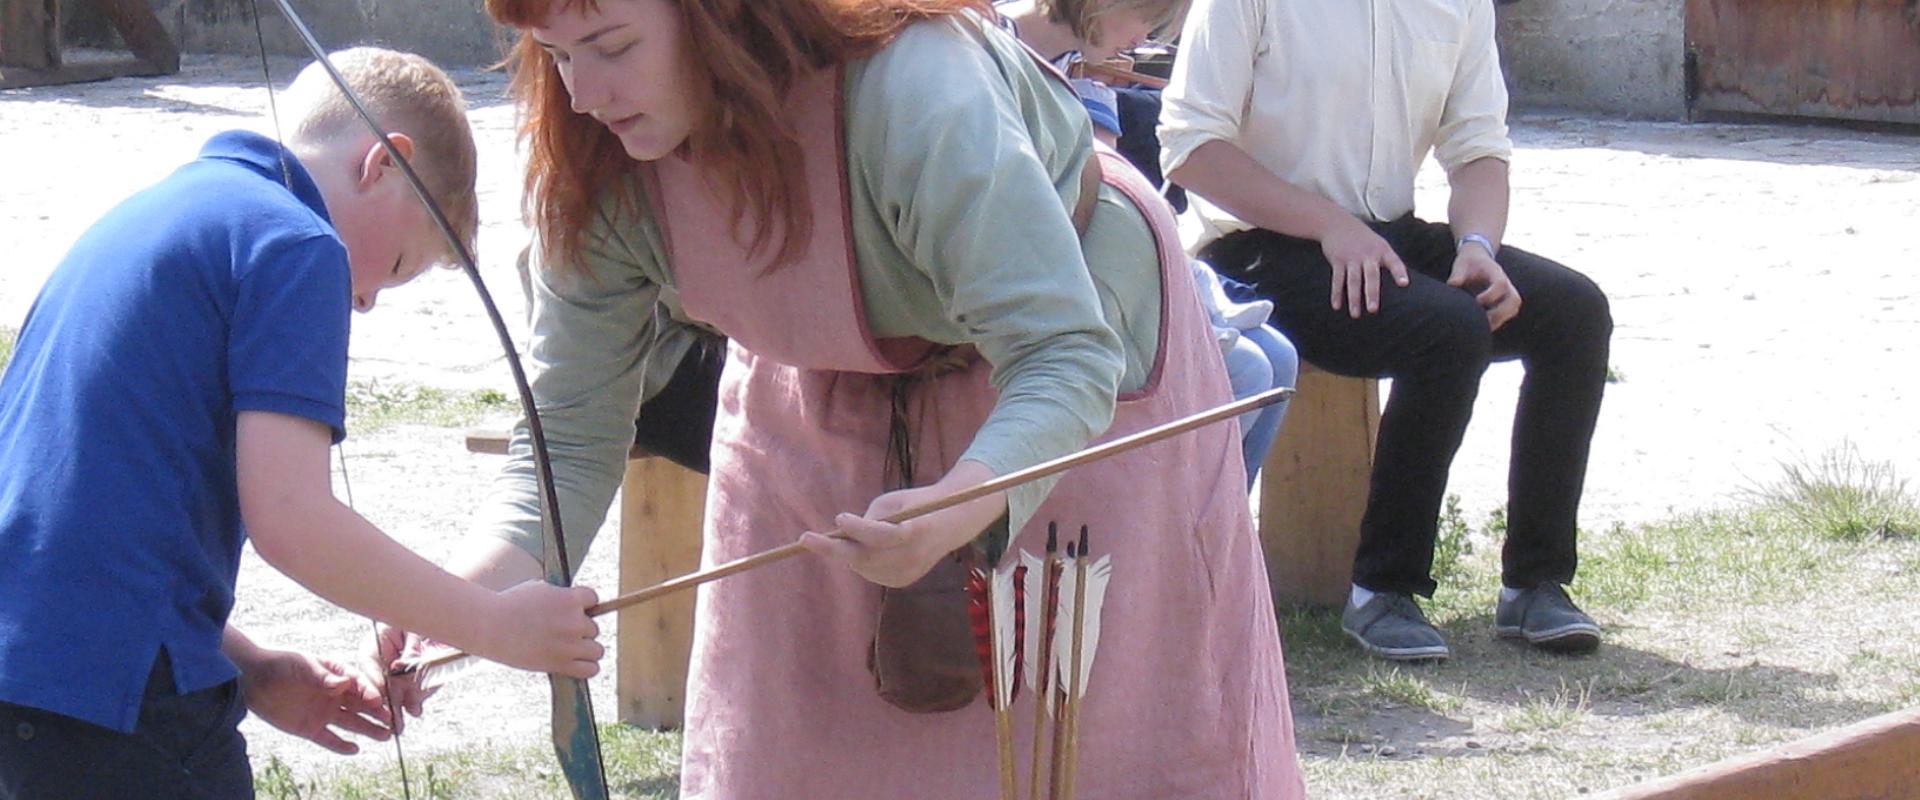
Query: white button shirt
1342	98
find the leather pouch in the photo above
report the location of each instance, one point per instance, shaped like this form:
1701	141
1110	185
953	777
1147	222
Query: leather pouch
923	658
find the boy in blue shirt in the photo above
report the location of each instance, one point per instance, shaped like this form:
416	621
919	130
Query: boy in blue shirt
175	390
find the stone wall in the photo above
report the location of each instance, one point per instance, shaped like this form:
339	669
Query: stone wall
1615	56
451	32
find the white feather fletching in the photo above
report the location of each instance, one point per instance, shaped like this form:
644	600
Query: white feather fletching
1005	649
433	677
1098	573
1036	616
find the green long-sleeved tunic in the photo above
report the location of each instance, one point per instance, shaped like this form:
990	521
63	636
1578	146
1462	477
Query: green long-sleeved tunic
963	158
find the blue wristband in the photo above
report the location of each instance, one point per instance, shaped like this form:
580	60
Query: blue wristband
1483	241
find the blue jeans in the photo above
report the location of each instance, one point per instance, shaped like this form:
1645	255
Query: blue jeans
1262	359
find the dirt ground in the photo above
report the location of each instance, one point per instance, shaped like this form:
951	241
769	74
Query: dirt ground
1762	278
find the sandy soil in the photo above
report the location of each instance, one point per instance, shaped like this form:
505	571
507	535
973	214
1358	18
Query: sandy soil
1762	280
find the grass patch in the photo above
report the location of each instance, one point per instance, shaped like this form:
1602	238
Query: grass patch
1453	544
1752	555
374	406
1398	686
1727	632
640	764
1552	712
1843	495
7	338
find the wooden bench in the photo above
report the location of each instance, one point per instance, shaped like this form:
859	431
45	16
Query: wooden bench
1314	489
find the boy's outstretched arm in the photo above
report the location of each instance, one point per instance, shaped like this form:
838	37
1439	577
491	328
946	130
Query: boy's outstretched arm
305	695
298	526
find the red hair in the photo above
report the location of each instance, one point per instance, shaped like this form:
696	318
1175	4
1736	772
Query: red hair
745	54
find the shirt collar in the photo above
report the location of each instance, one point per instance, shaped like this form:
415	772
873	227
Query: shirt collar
272	160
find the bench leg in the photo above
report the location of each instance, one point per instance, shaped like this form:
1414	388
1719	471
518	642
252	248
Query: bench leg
1313	488
661	508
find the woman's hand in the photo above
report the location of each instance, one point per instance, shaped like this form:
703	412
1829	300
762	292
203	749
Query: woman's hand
898	554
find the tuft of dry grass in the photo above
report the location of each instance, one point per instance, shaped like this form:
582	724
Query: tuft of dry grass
1844	495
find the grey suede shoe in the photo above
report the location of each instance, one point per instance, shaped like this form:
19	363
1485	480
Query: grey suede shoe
1547	619
1391	626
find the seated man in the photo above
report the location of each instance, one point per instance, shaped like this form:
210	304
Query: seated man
1299	128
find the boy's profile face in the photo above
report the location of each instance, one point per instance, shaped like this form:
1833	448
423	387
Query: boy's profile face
389	255
389	236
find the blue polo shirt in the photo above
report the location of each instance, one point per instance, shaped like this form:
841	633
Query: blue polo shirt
222	288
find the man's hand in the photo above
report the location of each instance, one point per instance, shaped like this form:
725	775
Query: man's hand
1475	270
896	555
1357	255
309	697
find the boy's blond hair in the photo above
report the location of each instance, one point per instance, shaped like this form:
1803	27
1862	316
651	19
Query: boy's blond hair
1083	16
406	94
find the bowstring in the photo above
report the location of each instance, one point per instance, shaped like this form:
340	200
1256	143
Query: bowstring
286	179
393	709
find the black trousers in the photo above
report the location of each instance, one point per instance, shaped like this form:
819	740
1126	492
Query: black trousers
677	423
1433	340
185	747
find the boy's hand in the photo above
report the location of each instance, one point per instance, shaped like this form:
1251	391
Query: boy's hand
309	696
540	627
403	692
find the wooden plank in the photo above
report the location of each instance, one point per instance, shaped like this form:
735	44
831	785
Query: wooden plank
1837	59
1313	488
661	508
1870	760
29	35
143	33
493	441
75	72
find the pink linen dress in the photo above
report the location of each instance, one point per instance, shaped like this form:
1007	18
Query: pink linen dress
1187	696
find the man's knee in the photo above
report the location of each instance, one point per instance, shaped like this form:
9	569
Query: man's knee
1455	336
1588	311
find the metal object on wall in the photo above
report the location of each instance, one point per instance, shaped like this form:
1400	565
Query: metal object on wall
1836	59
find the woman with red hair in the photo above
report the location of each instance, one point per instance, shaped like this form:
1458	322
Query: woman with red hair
928	279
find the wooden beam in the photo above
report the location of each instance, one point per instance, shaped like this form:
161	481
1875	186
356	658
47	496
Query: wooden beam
662	505
143	33
29	35
1869	760
75	72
